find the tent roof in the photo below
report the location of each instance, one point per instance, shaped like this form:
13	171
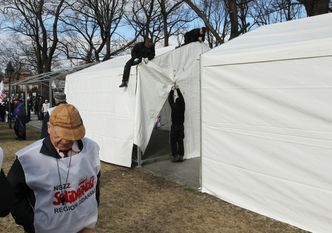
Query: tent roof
280	41
115	65
59	74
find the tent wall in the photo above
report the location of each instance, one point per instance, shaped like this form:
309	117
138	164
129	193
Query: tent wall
107	110
267	130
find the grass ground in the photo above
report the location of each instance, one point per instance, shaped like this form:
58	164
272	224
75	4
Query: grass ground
133	200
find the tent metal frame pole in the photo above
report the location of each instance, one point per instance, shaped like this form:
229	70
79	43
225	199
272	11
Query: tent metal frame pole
139	154
50	94
200	123
139	157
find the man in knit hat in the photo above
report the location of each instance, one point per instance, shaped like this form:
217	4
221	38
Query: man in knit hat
56	179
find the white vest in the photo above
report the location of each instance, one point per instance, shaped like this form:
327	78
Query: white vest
1	157
42	176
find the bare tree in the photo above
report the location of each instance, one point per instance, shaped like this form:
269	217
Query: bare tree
260	12
107	14
238	13
286	10
215	11
19	52
316	7
206	21
174	17
37	20
79	35
145	19
233	16
265	12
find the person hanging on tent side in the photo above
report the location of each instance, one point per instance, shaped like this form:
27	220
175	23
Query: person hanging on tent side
177	128
140	50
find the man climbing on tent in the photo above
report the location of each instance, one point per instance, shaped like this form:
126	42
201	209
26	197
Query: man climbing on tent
197	34
177	128
140	50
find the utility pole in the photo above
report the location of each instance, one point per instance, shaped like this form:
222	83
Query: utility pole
9	72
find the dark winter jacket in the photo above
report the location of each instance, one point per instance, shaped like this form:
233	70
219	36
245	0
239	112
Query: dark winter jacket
193	36
6	195
44	132
140	51
178	107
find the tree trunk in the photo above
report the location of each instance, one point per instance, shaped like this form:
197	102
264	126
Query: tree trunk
108	48
166	34
315	7
232	11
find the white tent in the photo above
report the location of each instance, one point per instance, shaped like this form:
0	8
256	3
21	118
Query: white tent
267	122
117	117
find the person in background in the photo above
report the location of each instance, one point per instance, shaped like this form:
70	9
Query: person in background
20	119
59	98
45	107
197	34
29	106
2	111
56	179
36	105
140	50
177	127
6	193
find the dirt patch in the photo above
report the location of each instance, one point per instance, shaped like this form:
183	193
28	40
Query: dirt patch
133	200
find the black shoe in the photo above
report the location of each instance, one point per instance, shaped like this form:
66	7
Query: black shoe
175	158
180	159
123	84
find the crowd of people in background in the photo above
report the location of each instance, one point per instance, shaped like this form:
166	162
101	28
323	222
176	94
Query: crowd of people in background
18	111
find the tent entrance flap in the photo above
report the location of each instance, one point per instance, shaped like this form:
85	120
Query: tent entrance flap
158	147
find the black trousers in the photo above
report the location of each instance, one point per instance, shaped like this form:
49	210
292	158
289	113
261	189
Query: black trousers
177	136
20	128
126	71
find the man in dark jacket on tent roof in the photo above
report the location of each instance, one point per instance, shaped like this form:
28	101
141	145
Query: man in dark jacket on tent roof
197	34
140	50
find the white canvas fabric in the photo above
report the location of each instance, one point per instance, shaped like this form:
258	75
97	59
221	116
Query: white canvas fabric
42	176
156	79
107	110
267	122
119	117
